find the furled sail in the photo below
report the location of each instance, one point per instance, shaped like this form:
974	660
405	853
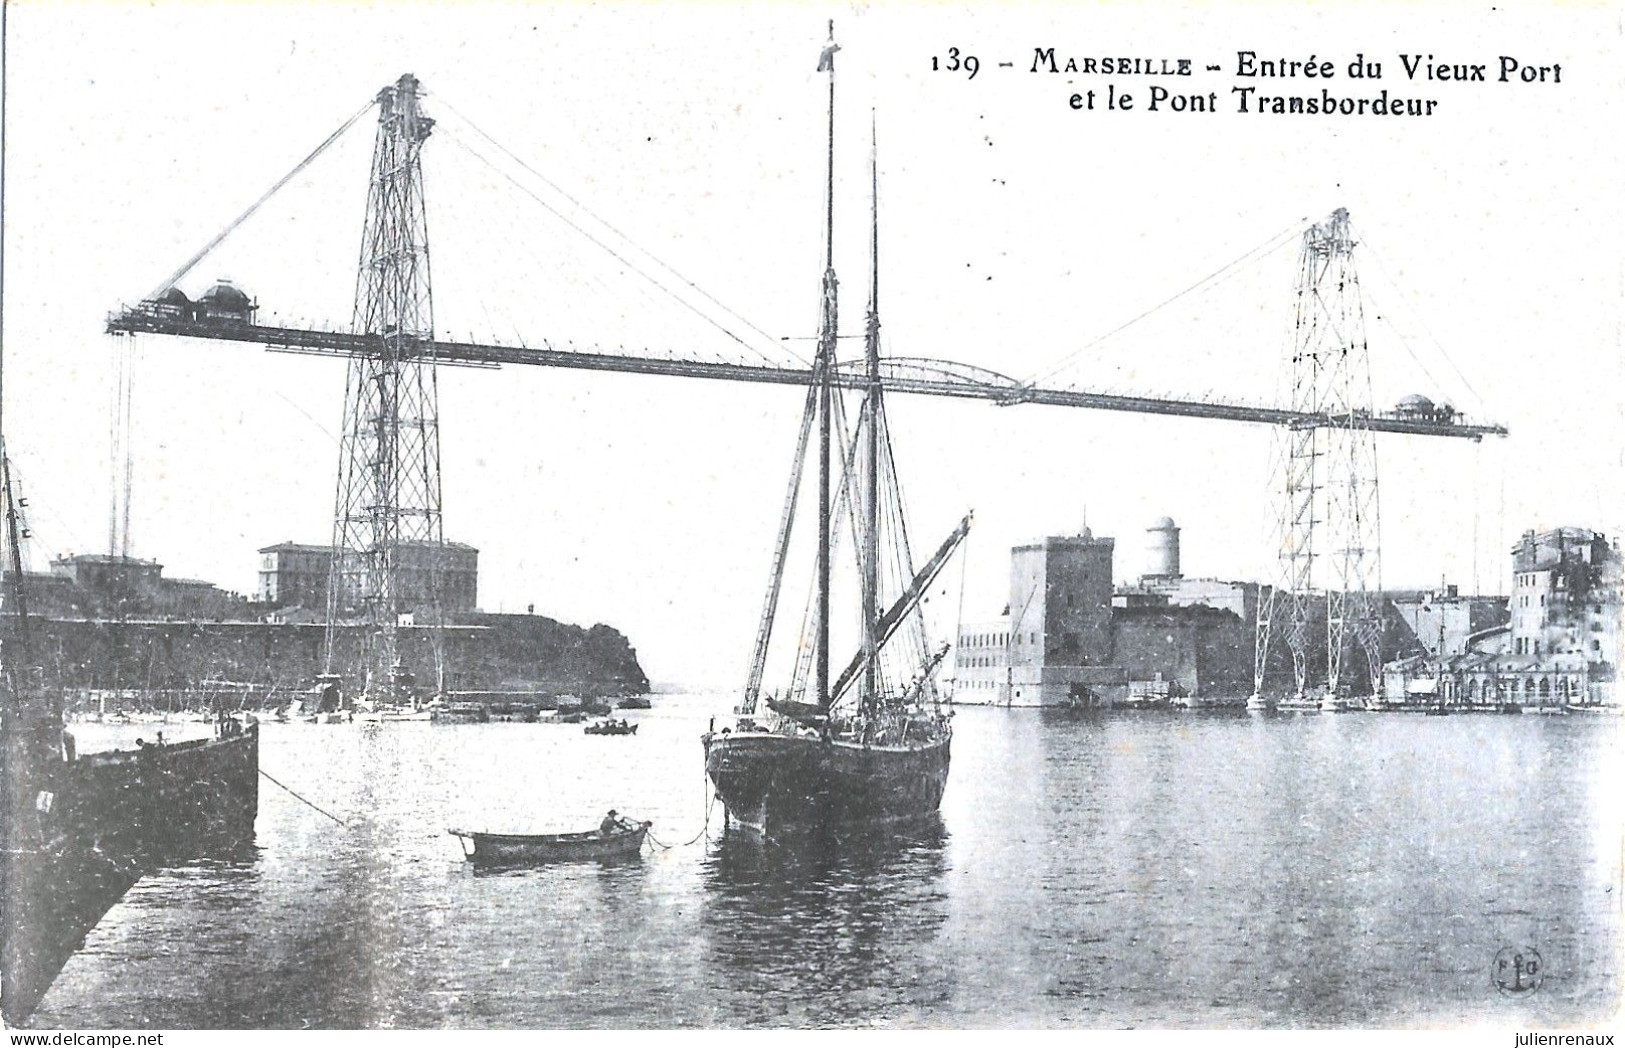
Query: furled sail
906	603
808	713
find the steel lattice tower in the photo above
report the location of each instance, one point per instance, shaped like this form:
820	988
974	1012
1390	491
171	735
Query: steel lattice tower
1330	473
387	534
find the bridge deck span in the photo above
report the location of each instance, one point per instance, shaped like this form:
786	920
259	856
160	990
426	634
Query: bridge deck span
915	376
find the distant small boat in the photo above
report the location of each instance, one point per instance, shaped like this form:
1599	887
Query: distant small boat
518	849
635	702
610	727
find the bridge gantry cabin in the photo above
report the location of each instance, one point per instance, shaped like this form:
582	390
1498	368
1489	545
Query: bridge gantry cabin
224	301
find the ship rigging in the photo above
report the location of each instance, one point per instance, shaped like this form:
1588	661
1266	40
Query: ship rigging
871	743
77	831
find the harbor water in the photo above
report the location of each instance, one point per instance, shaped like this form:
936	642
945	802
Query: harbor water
1150	869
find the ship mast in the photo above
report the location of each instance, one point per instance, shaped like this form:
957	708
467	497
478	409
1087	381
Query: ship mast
871	449
13	564
825	367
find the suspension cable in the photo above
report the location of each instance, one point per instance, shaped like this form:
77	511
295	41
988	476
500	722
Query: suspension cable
515	245
1381	308
606	224
255	206
1422	321
622	259
1217	275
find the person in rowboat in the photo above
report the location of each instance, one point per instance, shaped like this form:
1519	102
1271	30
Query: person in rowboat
611	823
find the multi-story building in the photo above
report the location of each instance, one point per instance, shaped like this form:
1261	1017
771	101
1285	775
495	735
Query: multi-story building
293	574
982	663
1565	595
454	567
1560	647
98	585
129	577
296	575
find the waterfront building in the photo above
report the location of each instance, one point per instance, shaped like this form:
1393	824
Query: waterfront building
982	663
1185	638
1566	595
1060	622
1069	637
1559	646
116	625
99	584
293	574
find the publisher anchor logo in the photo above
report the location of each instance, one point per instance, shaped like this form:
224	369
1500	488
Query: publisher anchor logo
1517	970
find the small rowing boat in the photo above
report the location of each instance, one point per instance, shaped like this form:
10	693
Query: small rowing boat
611	727
624	841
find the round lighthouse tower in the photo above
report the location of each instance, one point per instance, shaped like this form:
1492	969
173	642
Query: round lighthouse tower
1162	543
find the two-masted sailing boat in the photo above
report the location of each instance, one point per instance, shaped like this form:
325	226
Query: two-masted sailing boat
871	743
78	830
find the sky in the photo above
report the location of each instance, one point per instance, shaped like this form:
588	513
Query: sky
1018	234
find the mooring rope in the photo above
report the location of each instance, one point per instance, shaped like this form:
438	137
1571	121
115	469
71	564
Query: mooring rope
692	840
710	803
303	800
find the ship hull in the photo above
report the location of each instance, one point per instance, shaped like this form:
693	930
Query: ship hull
79	833
774	783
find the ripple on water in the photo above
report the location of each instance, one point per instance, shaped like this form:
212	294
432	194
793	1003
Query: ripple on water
1113	870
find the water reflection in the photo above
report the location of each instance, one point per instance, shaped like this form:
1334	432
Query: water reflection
197	909
538	868
1098	869
810	932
